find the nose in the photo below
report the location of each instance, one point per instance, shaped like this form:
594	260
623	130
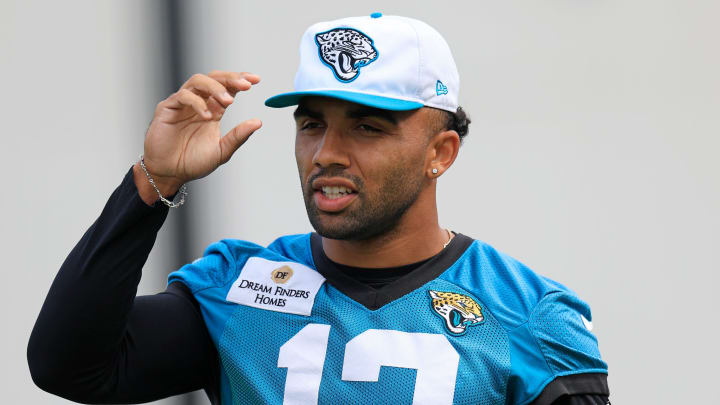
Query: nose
331	150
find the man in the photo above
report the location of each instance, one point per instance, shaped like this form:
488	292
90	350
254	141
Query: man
380	305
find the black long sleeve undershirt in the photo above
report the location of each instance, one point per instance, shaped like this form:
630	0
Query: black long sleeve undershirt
96	342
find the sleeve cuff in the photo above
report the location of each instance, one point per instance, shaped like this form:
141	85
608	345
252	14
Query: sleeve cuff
129	190
574	384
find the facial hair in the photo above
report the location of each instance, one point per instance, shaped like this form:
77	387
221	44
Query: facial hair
376	214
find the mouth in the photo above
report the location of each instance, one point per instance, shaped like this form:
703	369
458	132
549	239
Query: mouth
333	195
347	62
335	192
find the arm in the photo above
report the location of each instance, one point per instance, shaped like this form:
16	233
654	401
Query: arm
583	399
576	389
556	358
94	341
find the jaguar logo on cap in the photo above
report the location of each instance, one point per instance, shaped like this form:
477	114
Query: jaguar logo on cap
345	51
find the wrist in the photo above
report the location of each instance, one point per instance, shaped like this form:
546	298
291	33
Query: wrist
147	192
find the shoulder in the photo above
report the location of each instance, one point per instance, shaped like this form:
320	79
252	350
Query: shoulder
222	261
509	288
547	324
294	247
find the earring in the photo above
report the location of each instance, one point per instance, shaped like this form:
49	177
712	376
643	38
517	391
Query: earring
434	171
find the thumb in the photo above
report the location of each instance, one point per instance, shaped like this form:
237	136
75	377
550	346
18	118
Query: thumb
236	137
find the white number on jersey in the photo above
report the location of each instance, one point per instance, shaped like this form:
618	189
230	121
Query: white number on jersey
434	358
304	357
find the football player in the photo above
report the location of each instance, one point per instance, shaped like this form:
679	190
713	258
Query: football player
379	305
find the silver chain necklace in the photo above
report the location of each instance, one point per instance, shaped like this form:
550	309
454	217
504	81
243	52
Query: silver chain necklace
450	237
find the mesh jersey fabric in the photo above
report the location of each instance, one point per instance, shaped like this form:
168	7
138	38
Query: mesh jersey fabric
531	332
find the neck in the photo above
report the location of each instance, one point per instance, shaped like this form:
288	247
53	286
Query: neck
417	236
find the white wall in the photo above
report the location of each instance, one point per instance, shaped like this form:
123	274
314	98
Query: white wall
80	82
591	157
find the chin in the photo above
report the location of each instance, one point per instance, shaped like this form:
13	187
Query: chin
333	227
336	227
363	220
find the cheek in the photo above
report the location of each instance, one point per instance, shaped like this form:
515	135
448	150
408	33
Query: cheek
303	155
392	170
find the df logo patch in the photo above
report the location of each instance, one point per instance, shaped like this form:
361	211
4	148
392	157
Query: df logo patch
281	275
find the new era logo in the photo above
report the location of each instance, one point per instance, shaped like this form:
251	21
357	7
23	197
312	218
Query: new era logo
440	88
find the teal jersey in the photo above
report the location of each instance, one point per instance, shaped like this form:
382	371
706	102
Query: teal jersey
469	326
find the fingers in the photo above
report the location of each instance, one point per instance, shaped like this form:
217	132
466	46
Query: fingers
209	95
207	86
185	97
234	81
220	85
236	137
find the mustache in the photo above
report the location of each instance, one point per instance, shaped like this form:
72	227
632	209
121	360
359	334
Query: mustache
335	172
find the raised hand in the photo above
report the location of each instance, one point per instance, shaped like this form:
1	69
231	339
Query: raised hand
183	142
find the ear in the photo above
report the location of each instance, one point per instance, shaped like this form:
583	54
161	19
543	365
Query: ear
442	152
434	295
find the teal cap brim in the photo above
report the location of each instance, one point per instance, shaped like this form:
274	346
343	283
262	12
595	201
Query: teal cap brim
370	100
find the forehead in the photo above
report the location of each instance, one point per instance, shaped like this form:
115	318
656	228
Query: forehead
328	106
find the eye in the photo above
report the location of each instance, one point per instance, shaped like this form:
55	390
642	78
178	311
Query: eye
307	125
368	128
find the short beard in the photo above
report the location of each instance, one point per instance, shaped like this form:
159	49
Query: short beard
376	215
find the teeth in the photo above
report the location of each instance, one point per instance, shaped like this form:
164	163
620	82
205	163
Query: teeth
333	192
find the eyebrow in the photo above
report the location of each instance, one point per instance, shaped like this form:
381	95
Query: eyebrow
361	112
303	111
364	112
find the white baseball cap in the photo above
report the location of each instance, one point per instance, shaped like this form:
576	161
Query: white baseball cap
387	62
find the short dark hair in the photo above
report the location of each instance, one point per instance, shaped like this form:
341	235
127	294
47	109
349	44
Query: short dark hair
457	121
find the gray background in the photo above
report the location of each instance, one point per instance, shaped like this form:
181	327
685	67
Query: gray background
591	157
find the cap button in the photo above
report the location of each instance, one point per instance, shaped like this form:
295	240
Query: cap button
375	15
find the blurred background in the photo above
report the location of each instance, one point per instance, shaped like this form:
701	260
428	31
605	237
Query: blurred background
592	156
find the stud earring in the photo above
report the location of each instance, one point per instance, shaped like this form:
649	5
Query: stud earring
434	171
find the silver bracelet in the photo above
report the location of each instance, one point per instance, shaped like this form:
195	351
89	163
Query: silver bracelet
183	189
